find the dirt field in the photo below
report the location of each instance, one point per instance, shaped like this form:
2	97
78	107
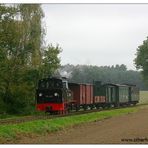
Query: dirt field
131	128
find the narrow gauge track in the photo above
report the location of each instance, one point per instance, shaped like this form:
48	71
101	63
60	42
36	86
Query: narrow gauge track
47	116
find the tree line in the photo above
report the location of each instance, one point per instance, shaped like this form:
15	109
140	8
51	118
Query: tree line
106	74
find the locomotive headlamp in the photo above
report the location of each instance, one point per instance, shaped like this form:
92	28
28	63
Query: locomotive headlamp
56	94
40	94
69	94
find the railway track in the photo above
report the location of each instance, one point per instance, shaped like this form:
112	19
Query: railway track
45	117
33	118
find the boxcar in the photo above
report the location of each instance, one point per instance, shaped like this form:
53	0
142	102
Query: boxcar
99	92
133	94
111	94
122	94
82	94
104	95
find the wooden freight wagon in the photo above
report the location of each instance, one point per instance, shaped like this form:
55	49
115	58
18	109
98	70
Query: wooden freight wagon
99	92
117	94
104	94
133	94
82	94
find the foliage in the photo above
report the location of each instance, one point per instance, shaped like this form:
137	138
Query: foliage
107	74
141	60
50	60
23	58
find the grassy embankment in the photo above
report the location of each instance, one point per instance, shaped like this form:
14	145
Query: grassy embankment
12	132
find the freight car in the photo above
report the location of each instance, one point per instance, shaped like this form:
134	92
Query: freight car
56	95
82	94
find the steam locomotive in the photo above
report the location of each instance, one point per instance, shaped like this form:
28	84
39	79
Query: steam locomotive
57	96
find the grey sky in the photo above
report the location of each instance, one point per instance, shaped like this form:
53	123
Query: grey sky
97	34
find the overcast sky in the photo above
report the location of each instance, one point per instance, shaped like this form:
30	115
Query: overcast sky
97	34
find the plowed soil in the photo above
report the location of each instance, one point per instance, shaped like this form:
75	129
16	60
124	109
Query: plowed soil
130	128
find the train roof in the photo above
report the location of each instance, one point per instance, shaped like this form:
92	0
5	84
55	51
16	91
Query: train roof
79	84
129	84
112	84
121	85
48	78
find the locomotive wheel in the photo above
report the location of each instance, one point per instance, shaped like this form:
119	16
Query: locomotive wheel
97	106
85	107
77	108
63	112
103	106
112	106
91	107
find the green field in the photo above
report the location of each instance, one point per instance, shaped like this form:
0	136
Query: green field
143	97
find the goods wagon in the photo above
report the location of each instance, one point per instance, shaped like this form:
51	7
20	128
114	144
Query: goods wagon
133	94
82	94
104	95
111	93
122	94
117	94
99	93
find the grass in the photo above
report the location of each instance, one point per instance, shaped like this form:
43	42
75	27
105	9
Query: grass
12	132
143	97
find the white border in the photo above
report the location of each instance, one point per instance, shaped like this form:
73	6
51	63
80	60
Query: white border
78	1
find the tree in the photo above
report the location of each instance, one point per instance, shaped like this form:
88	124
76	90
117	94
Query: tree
141	59
23	58
33	32
121	67
50	60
